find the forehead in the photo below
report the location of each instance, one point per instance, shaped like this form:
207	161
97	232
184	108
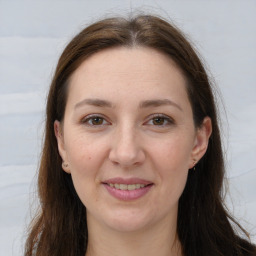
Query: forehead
119	72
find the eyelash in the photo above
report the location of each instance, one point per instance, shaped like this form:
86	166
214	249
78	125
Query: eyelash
90	118
166	119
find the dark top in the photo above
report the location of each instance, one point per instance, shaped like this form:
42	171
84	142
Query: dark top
247	249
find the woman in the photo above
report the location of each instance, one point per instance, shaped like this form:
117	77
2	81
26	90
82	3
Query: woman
132	161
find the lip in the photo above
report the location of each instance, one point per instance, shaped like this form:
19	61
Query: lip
120	180
127	195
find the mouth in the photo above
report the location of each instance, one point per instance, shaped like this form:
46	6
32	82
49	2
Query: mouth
127	189
126	186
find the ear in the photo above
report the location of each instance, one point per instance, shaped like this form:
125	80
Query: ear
61	145
203	134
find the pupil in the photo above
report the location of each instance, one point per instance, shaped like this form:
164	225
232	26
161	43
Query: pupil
97	120
158	120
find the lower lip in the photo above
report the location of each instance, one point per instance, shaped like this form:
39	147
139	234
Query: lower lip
127	195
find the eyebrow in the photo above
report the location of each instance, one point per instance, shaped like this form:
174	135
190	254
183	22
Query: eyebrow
143	104
94	102
158	103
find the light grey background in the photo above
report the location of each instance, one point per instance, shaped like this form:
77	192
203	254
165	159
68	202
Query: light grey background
33	34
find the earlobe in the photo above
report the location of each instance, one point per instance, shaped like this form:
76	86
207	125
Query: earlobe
201	141
61	145
65	167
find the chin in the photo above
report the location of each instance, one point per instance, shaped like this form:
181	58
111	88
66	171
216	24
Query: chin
128	226
125	222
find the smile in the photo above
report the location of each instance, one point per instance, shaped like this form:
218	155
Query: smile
127	189
126	186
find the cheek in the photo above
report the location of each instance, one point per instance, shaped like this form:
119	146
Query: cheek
173	152
85	161
86	157
173	178
81	149
171	160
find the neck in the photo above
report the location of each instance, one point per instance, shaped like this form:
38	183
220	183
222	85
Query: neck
158	240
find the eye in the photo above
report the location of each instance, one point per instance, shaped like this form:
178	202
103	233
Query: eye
95	120
160	120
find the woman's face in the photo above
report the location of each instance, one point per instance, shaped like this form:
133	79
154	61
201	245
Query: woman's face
128	138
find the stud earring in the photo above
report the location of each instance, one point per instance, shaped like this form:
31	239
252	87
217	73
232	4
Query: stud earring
194	163
64	165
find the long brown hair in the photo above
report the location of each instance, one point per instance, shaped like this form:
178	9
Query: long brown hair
204	226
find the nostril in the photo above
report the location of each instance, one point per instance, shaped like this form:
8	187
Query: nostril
127	157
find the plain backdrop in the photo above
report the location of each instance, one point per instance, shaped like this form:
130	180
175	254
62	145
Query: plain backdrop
33	33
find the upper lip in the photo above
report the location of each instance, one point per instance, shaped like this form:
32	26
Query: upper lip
119	180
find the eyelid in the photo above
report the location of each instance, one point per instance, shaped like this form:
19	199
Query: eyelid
166	117
85	119
149	118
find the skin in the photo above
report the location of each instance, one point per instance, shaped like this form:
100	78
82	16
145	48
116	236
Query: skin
130	137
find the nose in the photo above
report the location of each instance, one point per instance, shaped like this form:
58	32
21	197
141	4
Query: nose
126	149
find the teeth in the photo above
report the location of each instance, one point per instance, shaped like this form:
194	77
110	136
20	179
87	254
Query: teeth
123	186
126	187
137	186
117	186
131	187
